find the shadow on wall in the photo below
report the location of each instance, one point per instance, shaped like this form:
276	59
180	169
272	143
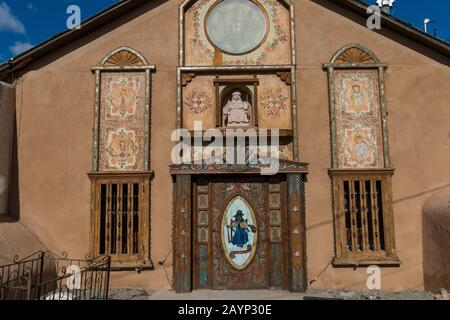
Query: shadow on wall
14	203
436	242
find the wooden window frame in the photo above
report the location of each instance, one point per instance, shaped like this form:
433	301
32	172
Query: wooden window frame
364	257
142	259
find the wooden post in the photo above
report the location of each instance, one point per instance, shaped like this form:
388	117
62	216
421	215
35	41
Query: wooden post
297	234
182	234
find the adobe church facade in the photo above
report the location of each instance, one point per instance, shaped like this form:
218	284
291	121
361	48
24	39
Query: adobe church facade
362	117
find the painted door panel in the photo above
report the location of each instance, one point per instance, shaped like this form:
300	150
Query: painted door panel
235	267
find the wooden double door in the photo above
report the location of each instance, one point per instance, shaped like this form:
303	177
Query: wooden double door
236	229
240	238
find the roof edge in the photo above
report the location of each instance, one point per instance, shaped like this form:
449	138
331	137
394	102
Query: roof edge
109	14
62	38
400	26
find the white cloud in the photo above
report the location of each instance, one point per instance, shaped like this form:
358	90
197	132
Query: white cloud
9	22
31	7
19	47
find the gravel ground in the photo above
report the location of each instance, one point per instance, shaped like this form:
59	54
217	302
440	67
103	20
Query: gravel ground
383	295
141	294
128	294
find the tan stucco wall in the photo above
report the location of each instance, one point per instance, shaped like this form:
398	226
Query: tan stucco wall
6	141
418	105
55	99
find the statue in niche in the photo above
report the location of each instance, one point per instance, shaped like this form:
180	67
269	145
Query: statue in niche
236	111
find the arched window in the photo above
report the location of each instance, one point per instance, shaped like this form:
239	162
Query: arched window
360	169
121	168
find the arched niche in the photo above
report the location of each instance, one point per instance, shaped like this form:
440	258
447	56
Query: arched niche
246	96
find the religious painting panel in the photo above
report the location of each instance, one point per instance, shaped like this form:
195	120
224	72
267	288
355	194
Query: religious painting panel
237	32
359	136
122	121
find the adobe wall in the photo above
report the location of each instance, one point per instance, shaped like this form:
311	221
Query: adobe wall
55	103
418	105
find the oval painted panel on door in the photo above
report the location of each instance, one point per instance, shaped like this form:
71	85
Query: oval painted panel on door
239	232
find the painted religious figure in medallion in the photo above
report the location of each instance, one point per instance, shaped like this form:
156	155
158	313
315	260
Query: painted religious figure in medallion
357	99
359	147
239	233
236	111
357	96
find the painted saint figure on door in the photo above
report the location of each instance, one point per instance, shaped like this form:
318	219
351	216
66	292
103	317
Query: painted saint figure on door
239	233
239	228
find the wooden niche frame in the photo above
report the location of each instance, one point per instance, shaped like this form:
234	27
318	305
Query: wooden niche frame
236	84
362	197
122	59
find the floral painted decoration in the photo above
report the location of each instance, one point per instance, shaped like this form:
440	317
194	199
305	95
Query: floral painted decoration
197	40
198	102
274	101
280	34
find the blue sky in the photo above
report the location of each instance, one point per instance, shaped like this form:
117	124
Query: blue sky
24	23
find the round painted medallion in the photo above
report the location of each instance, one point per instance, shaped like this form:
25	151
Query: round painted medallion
239	233
237	26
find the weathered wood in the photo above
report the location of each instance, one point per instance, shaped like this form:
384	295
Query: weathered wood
297	232
132	251
371	216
